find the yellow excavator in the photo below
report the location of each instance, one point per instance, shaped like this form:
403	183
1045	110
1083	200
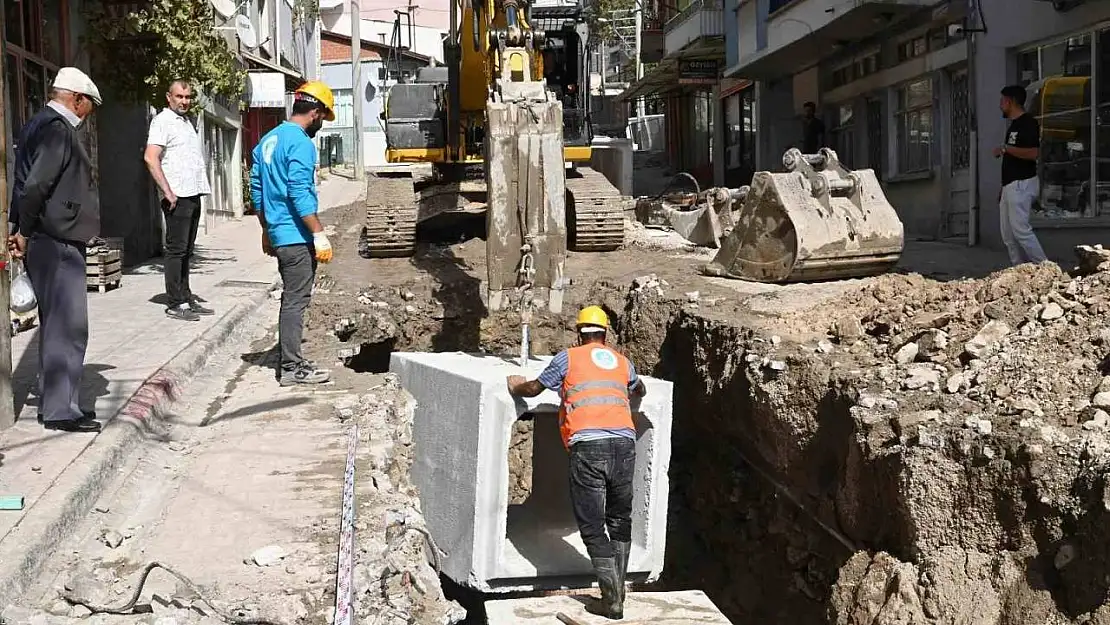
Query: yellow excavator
505	126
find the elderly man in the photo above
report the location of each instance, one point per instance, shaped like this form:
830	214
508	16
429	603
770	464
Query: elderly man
596	385
176	162
57	211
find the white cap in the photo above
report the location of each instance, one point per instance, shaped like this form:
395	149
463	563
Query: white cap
73	79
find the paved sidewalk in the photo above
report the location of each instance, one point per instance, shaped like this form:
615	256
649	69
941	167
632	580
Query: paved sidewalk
131	340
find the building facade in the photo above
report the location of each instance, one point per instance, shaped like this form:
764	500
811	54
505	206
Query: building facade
910	88
382	67
686	82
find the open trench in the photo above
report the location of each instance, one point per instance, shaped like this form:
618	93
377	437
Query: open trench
797	498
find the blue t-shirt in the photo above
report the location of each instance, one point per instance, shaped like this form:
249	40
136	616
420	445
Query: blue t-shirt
552	378
283	183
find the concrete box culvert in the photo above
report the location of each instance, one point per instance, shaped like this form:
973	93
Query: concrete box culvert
462	432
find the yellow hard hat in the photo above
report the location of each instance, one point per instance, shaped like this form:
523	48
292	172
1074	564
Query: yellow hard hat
592	316
318	91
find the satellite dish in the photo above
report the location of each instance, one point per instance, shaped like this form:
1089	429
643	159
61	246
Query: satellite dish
245	30
226	8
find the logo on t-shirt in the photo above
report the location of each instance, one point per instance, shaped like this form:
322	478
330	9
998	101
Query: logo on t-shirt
1013	138
604	358
268	149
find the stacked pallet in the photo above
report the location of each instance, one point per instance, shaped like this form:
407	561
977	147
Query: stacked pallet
103	268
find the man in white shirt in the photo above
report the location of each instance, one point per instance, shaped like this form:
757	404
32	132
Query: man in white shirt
175	159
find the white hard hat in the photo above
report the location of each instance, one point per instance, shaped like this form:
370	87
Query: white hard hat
73	79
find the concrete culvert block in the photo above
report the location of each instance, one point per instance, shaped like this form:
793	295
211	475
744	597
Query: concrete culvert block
500	530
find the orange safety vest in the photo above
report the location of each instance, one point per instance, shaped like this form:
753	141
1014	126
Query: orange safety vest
595	391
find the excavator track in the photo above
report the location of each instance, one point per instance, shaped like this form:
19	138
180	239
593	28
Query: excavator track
595	211
391	214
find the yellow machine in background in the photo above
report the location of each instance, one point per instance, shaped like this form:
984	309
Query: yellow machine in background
505	126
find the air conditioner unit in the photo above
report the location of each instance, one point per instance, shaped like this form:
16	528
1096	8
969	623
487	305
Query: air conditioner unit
1064	5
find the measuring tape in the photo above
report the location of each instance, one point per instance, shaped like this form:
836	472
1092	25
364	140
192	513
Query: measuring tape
345	573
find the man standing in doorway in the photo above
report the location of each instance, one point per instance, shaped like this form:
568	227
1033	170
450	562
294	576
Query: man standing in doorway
1020	187
56	208
176	162
283	190
813	129
596	385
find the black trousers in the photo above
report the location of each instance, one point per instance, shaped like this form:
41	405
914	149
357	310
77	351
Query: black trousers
182	224
601	492
57	271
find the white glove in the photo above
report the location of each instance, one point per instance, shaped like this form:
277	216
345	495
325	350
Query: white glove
323	247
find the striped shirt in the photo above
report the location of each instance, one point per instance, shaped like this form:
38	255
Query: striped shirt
552	379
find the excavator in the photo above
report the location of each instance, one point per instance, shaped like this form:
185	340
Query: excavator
505	127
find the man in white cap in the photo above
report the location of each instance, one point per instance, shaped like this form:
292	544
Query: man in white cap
56	209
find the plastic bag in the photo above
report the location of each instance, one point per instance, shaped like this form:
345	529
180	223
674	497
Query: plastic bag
22	293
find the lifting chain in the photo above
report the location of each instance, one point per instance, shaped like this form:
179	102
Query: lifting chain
525	281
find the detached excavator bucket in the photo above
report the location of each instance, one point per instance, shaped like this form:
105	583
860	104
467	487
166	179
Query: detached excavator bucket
818	221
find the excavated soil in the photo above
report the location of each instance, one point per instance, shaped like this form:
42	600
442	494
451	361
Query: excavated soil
879	451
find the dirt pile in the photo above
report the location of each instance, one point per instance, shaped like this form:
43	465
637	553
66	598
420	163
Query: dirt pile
938	456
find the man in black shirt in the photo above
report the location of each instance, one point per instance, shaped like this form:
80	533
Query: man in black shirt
1020	187
813	129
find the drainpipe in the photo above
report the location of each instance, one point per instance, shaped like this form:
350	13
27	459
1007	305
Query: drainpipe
973	138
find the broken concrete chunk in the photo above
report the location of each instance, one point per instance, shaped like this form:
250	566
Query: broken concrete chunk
693	297
986	343
1101	400
933	342
1099	421
112	538
1051	311
906	354
979	425
905	424
1104	384
824	346
1064	556
922	377
847	329
1025	404
957	382
269	556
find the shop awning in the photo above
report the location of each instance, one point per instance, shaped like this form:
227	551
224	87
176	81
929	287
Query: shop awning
660	79
267	65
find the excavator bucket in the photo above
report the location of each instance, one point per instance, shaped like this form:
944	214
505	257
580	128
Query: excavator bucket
818	221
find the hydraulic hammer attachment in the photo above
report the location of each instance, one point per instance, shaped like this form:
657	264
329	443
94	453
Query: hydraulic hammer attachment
526	240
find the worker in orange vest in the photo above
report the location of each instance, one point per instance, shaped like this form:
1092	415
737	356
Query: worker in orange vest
596	385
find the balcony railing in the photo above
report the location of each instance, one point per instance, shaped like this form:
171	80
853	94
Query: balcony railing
702	18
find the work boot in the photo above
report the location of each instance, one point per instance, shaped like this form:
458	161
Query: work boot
611	604
620	554
304	373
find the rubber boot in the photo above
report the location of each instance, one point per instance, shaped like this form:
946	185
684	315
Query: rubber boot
620	554
611	605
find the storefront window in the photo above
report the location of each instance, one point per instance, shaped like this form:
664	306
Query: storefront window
1060	96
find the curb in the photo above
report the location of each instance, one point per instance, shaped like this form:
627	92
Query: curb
68	500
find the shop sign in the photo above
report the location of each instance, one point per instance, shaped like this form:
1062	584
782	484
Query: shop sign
704	72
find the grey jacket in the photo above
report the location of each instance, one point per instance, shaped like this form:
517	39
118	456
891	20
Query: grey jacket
53	192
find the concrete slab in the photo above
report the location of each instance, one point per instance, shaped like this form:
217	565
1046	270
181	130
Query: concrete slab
462	431
640	608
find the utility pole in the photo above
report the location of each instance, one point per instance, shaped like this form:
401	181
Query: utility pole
639	54
7	404
357	90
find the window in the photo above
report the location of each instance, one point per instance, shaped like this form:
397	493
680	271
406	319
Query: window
35	45
913	48
344	109
844	134
961	121
915	126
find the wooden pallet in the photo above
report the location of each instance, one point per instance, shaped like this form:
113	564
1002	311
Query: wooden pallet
103	270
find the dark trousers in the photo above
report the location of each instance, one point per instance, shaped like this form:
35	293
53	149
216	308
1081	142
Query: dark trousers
57	271
297	266
601	492
182	224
